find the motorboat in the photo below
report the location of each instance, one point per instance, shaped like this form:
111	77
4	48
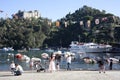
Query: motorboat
91	47
8	49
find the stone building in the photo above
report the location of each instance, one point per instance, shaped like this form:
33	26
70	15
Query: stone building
27	14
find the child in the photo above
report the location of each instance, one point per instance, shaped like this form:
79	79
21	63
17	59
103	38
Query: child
12	67
57	66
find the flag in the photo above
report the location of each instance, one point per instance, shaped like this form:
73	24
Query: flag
88	23
49	23
97	21
81	23
104	19
113	18
57	23
66	24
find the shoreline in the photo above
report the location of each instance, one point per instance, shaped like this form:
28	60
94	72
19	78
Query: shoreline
62	75
67	70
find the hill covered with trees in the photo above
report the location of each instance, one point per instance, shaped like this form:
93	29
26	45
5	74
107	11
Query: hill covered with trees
85	25
23	33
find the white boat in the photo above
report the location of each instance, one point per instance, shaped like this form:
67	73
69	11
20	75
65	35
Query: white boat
35	49
8	49
89	47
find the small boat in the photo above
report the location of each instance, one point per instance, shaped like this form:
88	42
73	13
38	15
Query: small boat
49	50
22	57
115	60
8	49
89	60
25	58
45	55
36	59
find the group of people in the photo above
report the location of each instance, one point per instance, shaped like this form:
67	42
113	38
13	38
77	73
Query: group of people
53	66
16	69
54	63
37	65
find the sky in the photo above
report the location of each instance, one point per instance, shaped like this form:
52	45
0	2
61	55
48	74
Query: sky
56	9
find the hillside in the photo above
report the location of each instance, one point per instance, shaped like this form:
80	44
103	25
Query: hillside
85	25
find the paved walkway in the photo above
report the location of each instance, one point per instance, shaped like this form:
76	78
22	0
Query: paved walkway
62	75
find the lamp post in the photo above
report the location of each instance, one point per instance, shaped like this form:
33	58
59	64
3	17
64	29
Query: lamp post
13	55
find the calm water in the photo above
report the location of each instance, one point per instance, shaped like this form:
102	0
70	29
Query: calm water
6	58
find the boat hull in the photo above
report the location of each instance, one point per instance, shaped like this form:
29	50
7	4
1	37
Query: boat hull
88	50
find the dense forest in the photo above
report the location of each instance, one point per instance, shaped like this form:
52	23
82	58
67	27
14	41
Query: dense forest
84	25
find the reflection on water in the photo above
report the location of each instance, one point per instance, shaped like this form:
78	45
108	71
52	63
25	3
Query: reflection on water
7	57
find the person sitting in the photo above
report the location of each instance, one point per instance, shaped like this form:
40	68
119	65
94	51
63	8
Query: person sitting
12	67
39	67
18	70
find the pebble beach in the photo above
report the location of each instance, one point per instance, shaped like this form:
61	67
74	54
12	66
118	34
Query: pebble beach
62	75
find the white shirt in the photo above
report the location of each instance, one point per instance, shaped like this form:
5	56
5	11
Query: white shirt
12	65
69	59
19	68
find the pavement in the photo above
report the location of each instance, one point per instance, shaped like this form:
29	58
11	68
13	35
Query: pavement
62	75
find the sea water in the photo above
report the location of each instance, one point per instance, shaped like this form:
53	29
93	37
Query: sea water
77	64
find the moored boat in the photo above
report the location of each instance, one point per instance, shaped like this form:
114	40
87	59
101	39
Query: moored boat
8	49
89	47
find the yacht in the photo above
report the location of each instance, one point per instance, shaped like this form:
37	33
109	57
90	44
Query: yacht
91	47
8	49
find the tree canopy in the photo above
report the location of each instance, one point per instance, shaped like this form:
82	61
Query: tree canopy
23	33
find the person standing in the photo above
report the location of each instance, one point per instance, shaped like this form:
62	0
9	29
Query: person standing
12	67
69	62
52	66
31	64
111	64
57	66
101	66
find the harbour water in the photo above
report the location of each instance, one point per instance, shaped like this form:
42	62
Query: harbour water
77	64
